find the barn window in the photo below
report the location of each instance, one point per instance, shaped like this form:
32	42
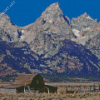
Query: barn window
37	81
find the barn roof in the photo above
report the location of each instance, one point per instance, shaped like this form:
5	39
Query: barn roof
24	79
21	80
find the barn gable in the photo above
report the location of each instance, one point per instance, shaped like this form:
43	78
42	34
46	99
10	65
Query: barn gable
25	79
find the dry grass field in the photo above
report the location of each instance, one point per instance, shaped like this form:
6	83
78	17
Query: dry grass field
45	96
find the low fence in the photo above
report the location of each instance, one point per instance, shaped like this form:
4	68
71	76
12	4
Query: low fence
80	88
63	88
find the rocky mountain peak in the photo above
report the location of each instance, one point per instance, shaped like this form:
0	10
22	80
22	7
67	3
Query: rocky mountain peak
52	21
55	5
8	30
83	22
4	18
84	27
52	12
84	15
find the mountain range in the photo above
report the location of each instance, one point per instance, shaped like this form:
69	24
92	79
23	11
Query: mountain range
53	44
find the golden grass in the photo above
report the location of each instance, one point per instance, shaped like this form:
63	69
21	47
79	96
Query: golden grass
45	96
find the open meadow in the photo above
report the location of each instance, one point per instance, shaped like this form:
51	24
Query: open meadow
45	96
87	95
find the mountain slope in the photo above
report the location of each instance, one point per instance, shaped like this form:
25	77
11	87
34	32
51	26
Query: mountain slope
13	59
74	58
71	58
94	45
51	45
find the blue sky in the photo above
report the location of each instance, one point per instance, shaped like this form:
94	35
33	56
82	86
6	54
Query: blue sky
24	12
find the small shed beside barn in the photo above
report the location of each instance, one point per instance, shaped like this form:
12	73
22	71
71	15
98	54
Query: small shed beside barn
61	90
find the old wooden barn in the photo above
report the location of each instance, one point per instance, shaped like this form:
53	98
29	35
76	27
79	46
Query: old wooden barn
28	83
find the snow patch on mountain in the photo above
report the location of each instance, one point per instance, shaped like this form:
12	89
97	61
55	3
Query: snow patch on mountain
22	31
76	32
87	29
88	17
50	21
